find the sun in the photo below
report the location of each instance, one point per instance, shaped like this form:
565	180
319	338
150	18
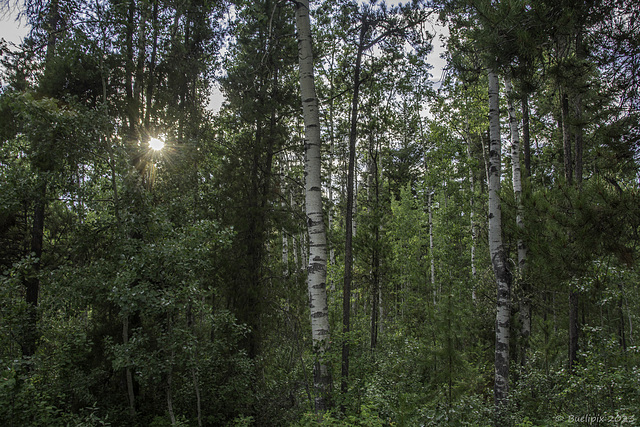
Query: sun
156	144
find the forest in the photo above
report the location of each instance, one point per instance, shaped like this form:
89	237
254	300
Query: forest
355	238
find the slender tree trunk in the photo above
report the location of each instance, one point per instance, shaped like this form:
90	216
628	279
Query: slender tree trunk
431	257
196	388
53	22
568	175
32	283
498	256
578	141
348	246
578	109
152	66
573	328
317	267
128	373
472	188
294	248
129	70
172	415
330	208
375	267
285	254
621	332
566	137
526	139
142	56
474	233
525	304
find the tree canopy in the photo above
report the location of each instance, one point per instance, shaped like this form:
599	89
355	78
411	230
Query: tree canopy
348	241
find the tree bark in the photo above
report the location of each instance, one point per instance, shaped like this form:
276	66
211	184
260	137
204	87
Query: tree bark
566	137
474	233
525	304
431	257
526	139
32	283
573	328
498	256
375	261
152	67
317	267
129	70
568	175
128	373
578	109
348	245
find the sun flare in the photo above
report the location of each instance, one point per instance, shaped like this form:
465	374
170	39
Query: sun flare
156	144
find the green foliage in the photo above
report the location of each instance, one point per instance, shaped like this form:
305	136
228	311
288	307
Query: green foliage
367	417
184	269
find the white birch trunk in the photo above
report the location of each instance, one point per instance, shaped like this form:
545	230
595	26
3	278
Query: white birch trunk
317	267
516	171
525	306
498	257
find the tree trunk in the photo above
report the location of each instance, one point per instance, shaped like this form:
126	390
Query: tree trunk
317	267
498	256
573	328
474	233
348	245
32	283
172	415
568	175
375	261
526	139
129	70
138	83
152	67
578	109
566	137
128	373
525	304
431	257
472	188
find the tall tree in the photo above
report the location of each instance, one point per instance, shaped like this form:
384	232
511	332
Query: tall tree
317	266
375	26
32	283
516	178
498	255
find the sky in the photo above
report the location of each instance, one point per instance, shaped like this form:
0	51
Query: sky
13	31
10	30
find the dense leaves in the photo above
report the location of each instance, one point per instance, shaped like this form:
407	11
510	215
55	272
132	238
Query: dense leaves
151	288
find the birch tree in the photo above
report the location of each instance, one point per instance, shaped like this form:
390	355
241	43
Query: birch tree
496	248
516	172
317	266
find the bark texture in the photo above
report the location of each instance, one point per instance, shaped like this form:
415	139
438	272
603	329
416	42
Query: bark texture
317	267
498	257
349	223
516	171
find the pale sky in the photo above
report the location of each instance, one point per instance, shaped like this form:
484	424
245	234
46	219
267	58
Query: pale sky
10	30
13	31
